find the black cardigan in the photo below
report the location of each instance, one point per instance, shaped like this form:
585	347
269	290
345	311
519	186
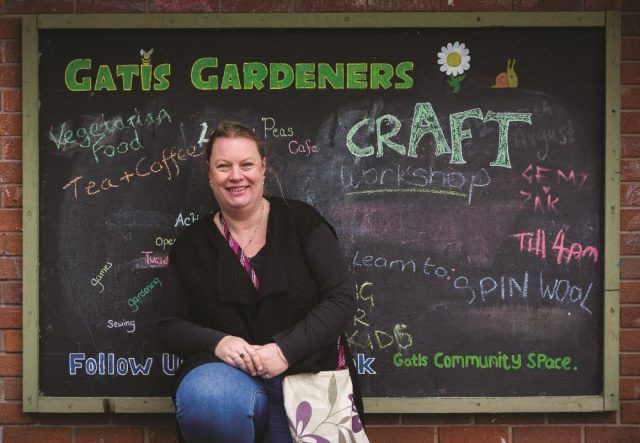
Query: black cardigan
305	300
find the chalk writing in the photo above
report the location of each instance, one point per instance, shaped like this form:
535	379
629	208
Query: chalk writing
168	165
96	281
270	129
107	364
425	121
541	179
96	135
306	148
155	261
499	360
536	243
134	301
362	181
374	338
164	242
506	362
129	324
182	221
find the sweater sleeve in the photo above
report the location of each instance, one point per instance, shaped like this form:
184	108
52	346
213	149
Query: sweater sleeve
328	319
176	331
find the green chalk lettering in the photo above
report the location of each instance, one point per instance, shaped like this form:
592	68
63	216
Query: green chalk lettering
425	121
402	71
230	77
355	149
104	79
381	74
71	72
385	138
503	119
458	134
198	81
160	73
305	76
127	72
334	77
280	75
254	75
357	76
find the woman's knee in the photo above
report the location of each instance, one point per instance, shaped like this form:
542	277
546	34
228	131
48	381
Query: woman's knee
216	397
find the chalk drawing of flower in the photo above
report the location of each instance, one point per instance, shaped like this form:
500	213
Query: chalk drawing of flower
454	60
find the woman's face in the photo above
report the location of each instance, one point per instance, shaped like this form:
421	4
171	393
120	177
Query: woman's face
236	173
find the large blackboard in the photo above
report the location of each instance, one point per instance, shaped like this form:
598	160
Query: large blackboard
478	259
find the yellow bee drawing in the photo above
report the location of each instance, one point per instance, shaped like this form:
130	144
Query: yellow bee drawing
146	56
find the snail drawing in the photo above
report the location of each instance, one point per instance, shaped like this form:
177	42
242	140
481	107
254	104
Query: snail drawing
507	79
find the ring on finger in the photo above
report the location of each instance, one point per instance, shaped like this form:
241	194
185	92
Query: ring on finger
266	376
241	355
237	356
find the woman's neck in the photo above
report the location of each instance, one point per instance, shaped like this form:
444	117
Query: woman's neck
245	218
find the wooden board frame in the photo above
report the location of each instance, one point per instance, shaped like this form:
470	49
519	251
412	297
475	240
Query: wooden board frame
34	401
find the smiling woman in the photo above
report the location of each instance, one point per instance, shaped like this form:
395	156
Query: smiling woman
241	331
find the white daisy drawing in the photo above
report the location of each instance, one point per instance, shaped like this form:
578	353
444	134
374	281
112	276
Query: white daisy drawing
454	59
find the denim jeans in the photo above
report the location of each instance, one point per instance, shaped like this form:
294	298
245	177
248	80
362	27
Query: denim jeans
219	403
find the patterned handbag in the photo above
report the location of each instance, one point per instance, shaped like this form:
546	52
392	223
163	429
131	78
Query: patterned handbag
320	407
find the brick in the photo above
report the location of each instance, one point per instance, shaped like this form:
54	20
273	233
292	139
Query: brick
630	73
630	98
630	267
10	268
12	341
10	124
109	435
629	122
12	51
10	172
629	388
10	75
184	6
435	419
629	364
630	24
37	7
630	244
582	418
10	219
630	412
11	148
10	317
602	5
630	340
403	5
37	434
475	5
10	364
630	219
163	435
547	5
257	5
630	145
630	169
11	196
537	434
12	388
509	419
400	434
477	434
330	5
630	48
110	6
630	316
11	413
12	100
611	434
10	27
11	293
13	244
73	419
629	194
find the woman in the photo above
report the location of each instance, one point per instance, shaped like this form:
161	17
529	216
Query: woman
256	291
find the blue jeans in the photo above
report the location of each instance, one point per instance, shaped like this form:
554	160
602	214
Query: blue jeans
219	403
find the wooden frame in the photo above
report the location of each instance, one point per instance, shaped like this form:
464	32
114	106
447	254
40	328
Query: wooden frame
33	401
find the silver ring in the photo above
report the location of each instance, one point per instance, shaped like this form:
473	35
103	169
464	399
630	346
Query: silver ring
241	355
266	376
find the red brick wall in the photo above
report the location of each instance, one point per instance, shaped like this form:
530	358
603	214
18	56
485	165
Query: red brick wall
622	426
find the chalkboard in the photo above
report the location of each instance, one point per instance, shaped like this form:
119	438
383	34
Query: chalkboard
470	207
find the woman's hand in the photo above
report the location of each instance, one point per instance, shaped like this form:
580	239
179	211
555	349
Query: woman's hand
273	361
236	352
